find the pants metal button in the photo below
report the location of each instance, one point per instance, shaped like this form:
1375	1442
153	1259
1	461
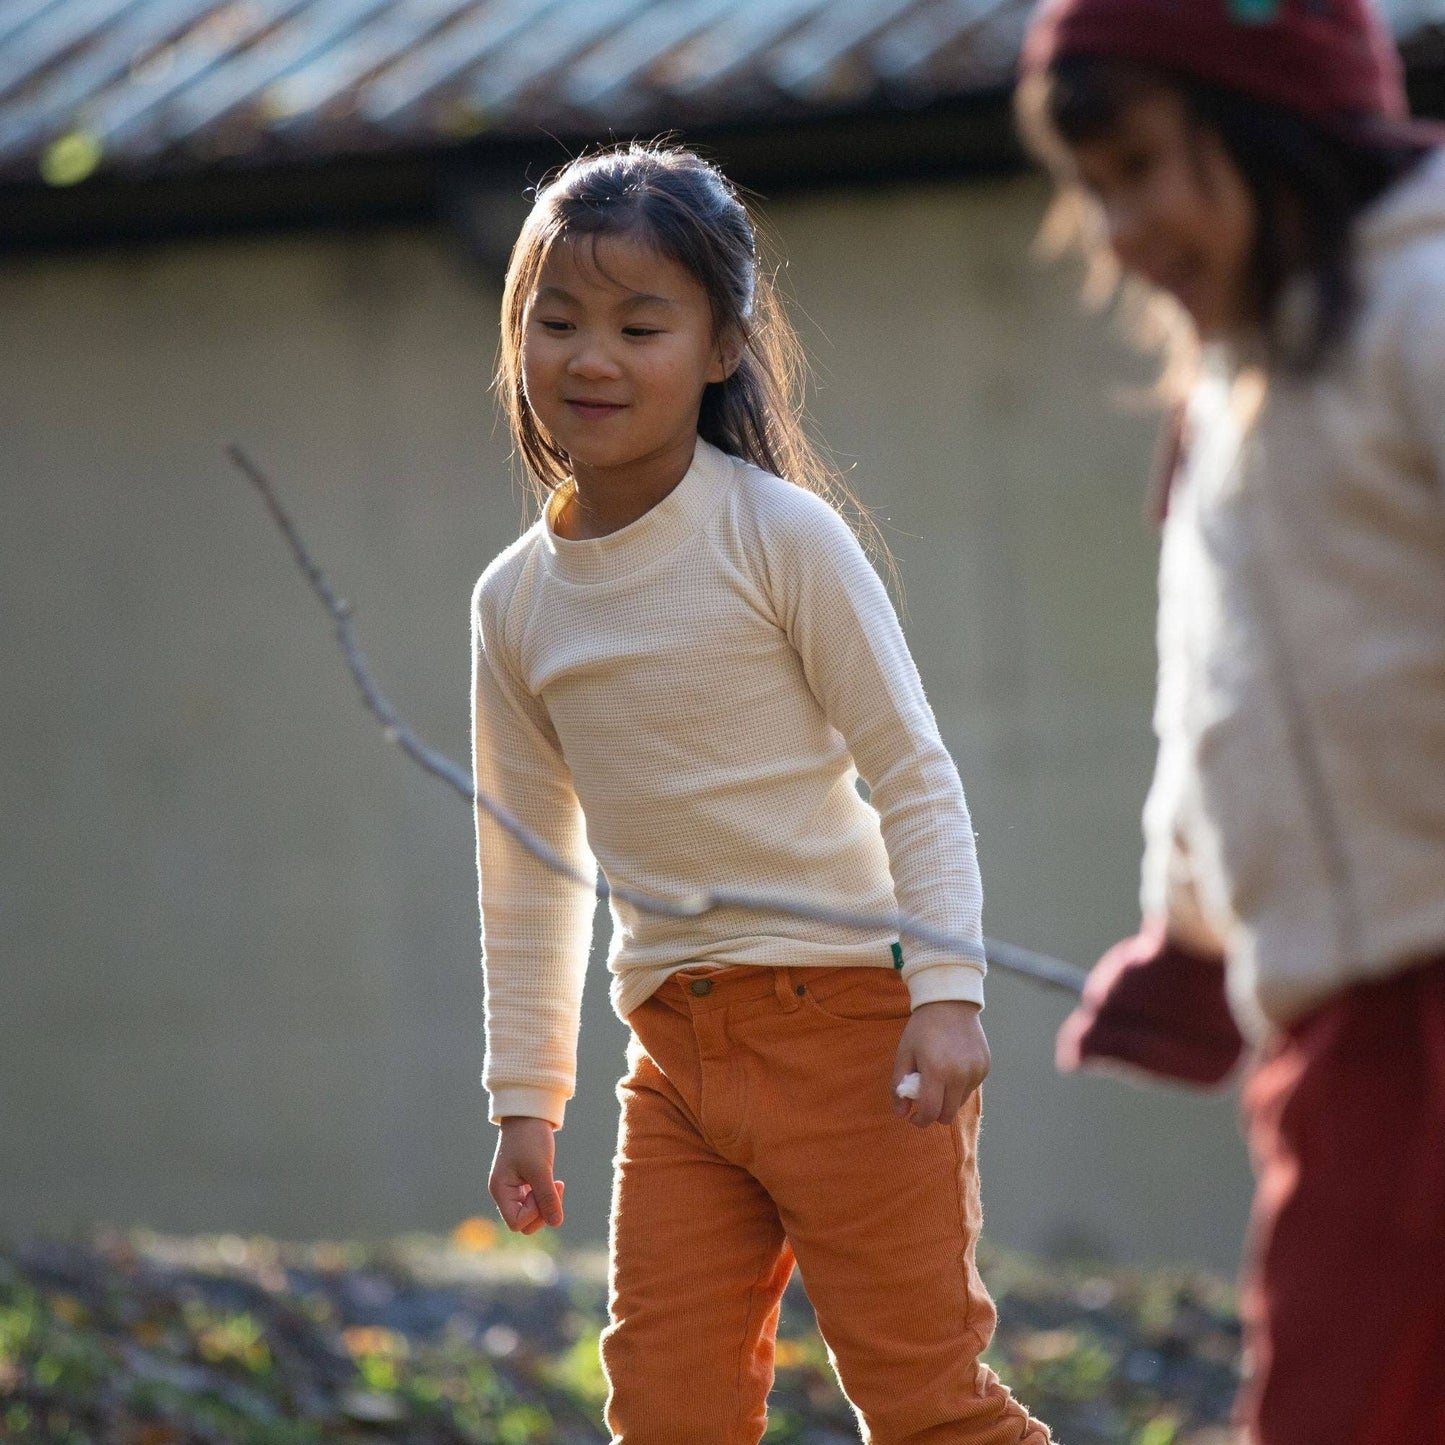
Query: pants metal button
700	987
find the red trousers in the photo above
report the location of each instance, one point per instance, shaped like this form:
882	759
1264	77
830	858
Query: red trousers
1344	1284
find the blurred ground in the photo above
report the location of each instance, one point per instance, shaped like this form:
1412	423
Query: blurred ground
479	1339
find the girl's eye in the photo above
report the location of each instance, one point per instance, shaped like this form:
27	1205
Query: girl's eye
641	331
547	324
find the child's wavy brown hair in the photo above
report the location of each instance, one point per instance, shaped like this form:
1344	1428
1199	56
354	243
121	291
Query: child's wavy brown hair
673	200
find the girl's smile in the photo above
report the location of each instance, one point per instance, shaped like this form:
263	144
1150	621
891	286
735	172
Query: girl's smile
1176	211
591	410
618	346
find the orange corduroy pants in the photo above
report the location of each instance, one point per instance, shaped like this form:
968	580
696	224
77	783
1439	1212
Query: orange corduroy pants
758	1130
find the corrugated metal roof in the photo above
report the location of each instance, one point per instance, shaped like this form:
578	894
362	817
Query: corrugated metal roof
145	85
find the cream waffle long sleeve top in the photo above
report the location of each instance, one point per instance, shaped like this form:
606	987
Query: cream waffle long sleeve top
690	702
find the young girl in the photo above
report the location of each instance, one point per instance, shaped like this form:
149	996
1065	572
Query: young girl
680	671
1252	160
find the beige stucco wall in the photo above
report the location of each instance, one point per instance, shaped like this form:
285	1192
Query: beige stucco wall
239	985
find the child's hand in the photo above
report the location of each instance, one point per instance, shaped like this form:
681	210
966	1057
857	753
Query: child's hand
943	1043
521	1184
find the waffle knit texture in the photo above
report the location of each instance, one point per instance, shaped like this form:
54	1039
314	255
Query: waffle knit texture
691	701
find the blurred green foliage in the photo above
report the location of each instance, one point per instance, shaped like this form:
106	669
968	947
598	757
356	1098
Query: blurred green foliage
482	1340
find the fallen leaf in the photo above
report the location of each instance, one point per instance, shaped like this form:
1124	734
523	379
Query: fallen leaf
475	1235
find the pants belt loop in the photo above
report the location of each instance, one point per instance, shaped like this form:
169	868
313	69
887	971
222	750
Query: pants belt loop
788	988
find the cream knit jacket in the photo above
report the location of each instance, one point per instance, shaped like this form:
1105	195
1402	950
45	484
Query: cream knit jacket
1298	806
685	700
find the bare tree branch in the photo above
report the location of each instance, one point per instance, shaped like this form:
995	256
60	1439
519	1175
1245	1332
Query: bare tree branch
1006	956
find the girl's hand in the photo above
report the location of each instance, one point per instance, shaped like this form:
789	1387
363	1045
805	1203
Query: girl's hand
521	1185
944	1044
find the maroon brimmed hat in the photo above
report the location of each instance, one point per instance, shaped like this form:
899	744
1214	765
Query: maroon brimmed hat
1325	60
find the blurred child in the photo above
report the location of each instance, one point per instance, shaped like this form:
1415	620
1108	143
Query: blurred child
680	670
1252	161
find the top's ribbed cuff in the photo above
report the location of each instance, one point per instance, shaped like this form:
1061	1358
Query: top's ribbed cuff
513	1100
939	982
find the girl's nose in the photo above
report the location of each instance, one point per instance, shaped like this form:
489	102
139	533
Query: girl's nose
592	360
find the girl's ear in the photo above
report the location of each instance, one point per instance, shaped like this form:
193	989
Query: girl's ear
728	356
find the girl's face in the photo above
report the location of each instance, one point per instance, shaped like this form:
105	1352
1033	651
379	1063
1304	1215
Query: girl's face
1176	210
617	347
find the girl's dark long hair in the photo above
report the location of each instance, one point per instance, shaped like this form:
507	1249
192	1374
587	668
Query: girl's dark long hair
691	213
1308	183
